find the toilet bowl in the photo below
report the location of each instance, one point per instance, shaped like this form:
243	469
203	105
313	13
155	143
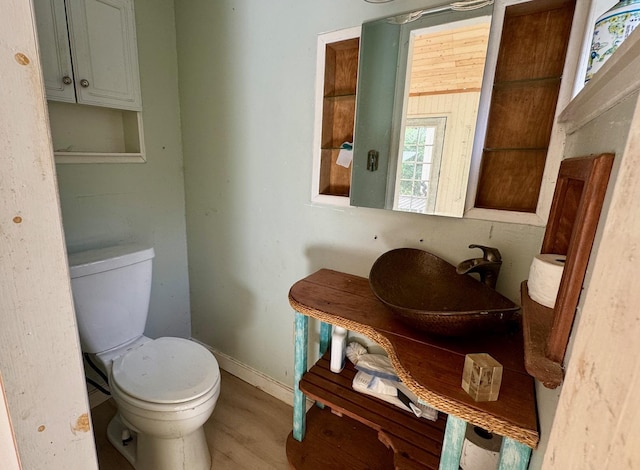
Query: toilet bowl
165	388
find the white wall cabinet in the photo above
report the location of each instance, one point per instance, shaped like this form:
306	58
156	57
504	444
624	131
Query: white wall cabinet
89	52
55	55
89	58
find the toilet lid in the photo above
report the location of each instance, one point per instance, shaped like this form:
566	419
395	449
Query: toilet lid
166	370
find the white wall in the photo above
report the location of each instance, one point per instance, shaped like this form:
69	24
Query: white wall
106	204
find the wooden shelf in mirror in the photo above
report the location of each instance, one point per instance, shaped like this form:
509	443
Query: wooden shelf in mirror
334	179
534	44
529	68
338	114
341	67
526	105
525	170
571	228
337	122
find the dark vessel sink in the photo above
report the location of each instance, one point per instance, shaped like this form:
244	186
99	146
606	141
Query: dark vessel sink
426	292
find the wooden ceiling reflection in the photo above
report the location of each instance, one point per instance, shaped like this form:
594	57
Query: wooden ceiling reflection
450	61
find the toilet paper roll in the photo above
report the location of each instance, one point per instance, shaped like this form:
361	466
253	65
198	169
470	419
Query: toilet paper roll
481	449
544	278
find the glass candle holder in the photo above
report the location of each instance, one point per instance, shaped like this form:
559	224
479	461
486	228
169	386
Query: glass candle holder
482	377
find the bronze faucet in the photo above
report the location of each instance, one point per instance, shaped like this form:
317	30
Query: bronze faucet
487	267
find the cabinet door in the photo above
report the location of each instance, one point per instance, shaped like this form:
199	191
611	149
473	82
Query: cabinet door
55	56
103	45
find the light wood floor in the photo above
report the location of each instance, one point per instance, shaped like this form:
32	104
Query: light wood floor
248	430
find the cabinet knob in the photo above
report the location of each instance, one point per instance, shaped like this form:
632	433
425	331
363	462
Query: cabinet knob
67	80
84	83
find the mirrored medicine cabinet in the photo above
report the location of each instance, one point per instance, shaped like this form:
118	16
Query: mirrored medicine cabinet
455	109
418	94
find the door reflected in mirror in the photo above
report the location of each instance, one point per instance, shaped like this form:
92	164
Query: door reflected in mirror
419	85
442	92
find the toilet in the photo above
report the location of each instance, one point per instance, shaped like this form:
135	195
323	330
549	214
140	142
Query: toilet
165	388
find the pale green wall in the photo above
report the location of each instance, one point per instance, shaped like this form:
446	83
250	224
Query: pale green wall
247	74
115	203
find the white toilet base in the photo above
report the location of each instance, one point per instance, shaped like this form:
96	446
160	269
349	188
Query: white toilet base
114	434
146	452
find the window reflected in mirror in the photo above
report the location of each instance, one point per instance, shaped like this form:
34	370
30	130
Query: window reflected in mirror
442	93
419	165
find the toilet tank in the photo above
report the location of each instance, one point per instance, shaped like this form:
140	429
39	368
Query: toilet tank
111	288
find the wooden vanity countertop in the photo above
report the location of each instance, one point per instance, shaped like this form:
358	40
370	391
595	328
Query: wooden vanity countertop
430	366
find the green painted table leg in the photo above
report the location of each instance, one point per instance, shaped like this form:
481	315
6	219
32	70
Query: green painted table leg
452	445
300	367
514	455
325	341
325	337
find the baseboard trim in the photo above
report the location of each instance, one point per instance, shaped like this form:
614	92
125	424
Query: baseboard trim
252	376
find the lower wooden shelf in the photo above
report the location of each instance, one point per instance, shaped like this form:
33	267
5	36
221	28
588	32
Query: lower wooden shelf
414	442
337	442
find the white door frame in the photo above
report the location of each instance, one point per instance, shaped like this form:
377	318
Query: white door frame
40	358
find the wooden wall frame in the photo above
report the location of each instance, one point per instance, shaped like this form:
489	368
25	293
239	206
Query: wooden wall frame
571	228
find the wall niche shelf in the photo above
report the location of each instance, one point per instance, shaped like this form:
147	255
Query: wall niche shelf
338	114
93	134
337	73
525	93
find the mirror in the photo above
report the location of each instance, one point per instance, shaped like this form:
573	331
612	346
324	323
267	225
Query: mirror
419	84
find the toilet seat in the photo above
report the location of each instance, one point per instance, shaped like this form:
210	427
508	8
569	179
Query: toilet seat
166	371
